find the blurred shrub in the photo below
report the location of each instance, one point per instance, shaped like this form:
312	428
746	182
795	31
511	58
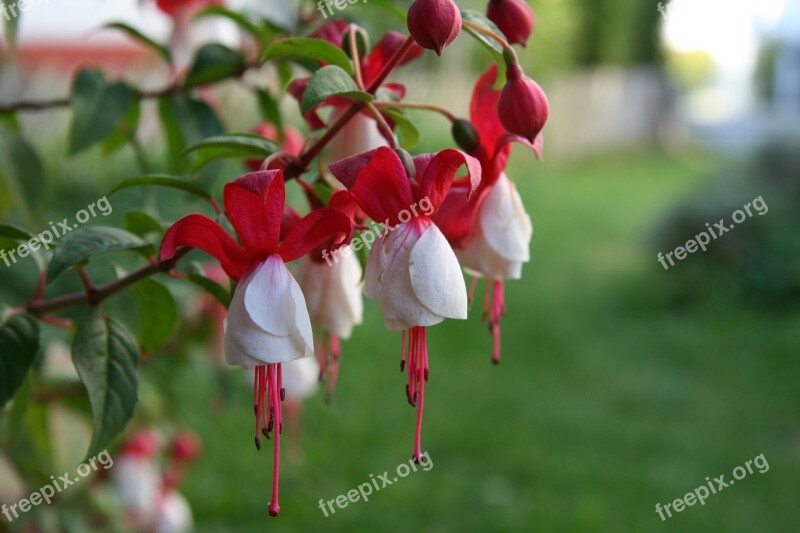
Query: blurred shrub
759	259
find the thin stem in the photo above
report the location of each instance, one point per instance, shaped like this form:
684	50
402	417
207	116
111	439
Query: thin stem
141	95
488	33
354	55
383	126
42	307
414	105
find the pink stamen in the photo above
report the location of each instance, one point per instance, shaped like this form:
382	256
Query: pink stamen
472	287
487	298
334	376
275	385
498	309
403	353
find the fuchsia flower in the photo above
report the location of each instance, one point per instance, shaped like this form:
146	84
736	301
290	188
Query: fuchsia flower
513	17
412	270
268	322
361	134
434	24
333	292
490	231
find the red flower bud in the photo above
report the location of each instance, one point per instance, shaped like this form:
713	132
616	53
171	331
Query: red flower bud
514	18
434	24
185	447
522	107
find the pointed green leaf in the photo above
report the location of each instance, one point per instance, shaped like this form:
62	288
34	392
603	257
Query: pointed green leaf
331	81
22	170
142	224
19	344
98	108
308	49
158	314
492	45
162	50
106	358
231	146
81	244
10	231
164	180
260	32
214	62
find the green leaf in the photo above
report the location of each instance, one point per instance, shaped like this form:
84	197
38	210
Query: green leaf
331	81
308	49
106	358
142	224
323	190
492	45
80	245
186	121
22	170
214	62
10	231
158	314
391	8
98	108
132	32
125	131
407	132
211	287
260	32
19	344
231	146
270	110
164	180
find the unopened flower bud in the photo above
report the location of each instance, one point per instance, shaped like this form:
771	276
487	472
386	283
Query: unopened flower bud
514	18
434	24
465	135
522	107
362	41
408	162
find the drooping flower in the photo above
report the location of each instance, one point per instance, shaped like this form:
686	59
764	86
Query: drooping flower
135	478
522	106
361	133
513	17
490	231
332	286
434	24
268	322
411	270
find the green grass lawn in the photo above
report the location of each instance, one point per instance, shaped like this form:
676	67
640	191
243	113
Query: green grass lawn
607	400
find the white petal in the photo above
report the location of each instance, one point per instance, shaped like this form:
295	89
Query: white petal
300	378
376	263
401	307
436	275
302	334
505	224
267	298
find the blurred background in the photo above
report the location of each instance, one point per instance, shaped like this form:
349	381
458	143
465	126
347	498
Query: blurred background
622	384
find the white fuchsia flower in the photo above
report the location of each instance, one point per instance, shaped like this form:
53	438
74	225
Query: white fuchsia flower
412	269
268	322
